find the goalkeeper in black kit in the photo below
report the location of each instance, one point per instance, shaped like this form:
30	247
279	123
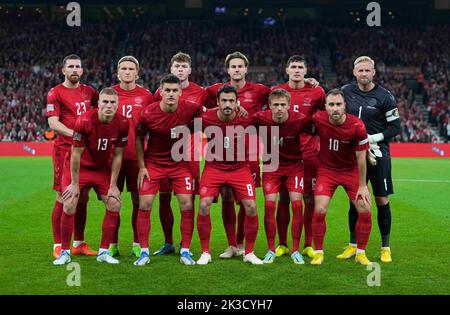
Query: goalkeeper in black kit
377	108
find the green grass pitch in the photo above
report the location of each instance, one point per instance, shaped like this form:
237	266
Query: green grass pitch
420	242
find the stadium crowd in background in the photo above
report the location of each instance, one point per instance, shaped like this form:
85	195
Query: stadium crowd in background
30	55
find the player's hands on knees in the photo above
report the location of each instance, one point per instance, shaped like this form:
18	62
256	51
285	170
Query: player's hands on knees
72	191
241	111
363	194
313	82
114	192
143	173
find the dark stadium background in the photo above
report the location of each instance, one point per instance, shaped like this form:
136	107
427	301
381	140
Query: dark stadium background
411	49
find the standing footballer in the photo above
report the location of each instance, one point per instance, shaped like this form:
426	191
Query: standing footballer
132	99
65	103
377	108
97	134
180	66
342	161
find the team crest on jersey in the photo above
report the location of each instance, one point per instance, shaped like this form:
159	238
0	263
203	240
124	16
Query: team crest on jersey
372	102
307	101
50	107
203	190
268	186
138	100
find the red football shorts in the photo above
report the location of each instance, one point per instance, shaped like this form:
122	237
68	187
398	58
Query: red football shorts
290	176
240	181
328	181
178	176
166	187
58	157
99	179
129	173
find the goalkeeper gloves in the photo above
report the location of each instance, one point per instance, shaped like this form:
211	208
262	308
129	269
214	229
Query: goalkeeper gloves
376	138
371	158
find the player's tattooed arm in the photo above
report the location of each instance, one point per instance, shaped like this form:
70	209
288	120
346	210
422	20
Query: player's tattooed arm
58	126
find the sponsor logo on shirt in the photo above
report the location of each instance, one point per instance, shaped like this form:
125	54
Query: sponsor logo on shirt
124	139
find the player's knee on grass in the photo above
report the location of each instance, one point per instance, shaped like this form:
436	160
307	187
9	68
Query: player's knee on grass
270	197
205	206
294	196
362	207
381	200
250	207
113	204
145	202
70	206
320	207
185	201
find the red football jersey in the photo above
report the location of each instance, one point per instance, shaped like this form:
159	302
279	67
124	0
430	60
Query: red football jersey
216	156
193	92
306	100
252	97
338	144
130	104
98	138
161	128
68	104
288	148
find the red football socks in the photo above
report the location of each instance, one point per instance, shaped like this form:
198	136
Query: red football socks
204	231
307	221
56	222
80	221
297	224
319	227
363	228
251	231
166	216
109	226
186	227
229	221
283	218
269	224
143	227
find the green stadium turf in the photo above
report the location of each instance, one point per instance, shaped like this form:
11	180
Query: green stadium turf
420	244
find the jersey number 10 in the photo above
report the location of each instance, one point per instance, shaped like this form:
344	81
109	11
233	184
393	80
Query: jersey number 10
334	145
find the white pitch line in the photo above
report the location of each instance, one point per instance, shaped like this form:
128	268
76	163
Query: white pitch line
422	180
